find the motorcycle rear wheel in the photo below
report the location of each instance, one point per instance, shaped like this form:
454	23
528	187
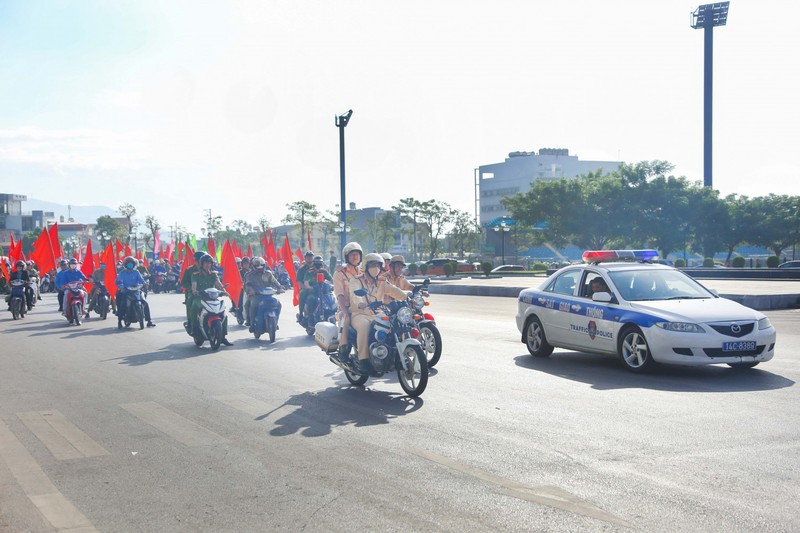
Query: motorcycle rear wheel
15	308
355	379
215	335
416	379
433	343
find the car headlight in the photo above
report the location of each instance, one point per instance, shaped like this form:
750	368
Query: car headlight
764	323
681	327
405	316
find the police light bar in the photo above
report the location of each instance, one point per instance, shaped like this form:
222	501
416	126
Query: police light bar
600	256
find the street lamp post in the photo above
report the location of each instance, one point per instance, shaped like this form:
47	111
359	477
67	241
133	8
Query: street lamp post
707	17
341	123
503	228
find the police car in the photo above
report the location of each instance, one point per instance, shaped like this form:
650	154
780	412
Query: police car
623	302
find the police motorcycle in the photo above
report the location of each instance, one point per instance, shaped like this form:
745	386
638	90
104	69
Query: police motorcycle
393	345
321	306
134	309
17	300
210	318
429	335
74	297
266	319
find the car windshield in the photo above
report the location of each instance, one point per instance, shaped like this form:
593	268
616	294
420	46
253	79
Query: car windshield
644	285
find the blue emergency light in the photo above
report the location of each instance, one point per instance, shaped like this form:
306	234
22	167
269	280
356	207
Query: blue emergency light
600	256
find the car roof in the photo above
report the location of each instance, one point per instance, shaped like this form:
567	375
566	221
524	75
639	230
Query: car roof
621	265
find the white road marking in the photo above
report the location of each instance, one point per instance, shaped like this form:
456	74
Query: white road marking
62	438
245	403
181	429
55	508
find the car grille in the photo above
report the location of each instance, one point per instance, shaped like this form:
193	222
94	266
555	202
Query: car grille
717	352
728	329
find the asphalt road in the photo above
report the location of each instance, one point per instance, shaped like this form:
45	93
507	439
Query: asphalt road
142	431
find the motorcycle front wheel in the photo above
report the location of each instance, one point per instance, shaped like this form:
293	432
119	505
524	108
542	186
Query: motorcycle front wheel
215	335
355	379
15	308
271	328
103	311
140	315
431	342
77	313
415	379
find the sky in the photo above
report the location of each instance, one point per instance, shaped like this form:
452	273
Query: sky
178	107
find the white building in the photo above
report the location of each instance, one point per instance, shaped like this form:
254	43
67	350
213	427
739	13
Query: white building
520	169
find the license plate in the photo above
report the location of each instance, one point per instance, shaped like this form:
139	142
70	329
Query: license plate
738	346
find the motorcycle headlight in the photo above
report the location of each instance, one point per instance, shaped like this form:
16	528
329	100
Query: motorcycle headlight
681	327
419	302
764	323
405	316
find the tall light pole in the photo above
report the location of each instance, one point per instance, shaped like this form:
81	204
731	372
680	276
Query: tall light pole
503	228
341	123
707	17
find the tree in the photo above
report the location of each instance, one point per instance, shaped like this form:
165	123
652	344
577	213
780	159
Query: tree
328	224
710	218
303	213
212	223
153	225
127	210
465	234
263	225
115	230
381	230
435	216
775	221
408	208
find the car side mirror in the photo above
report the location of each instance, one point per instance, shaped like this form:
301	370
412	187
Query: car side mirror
602	297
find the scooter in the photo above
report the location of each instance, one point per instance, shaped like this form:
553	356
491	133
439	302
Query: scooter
74	300
393	345
266	319
134	308
429	335
211	318
16	303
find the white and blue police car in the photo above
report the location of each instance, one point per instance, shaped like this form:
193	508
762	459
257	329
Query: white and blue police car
623	302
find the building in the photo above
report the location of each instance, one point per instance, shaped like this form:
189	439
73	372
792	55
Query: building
519	170
14	222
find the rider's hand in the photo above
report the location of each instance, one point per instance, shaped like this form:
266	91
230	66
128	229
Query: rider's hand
362	305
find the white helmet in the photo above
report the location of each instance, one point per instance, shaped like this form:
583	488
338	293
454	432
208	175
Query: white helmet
386	256
373	258
258	262
349	247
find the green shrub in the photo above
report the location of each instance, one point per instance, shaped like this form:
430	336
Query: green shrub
680	263
448	268
423	268
487	267
708	262
773	261
412	269
537	267
738	262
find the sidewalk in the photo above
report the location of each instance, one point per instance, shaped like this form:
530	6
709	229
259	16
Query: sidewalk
763	295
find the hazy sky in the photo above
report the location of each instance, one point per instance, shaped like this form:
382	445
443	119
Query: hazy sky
177	107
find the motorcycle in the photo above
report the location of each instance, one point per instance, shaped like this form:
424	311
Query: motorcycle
210	318
134	308
429	335
393	345
284	279
74	298
171	282
102	301
16	303
159	282
321	305
266	319
33	291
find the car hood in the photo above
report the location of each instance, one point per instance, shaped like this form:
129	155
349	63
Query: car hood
706	310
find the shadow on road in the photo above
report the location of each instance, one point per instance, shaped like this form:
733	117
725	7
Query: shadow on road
173	352
606	373
318	413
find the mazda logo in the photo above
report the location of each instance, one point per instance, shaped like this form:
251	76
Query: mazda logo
736	328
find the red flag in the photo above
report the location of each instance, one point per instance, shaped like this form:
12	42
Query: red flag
309	241
110	260
299	254
5	271
42	253
53	232
231	277
170	252
144	261
128	250
188	262
249	251
211	248
271	250
119	250
180	251
15	251
87	267
287	262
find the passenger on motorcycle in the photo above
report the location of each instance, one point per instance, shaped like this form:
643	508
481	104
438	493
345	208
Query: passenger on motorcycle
186	284
21	273
361	315
62	266
98	280
310	283
244	265
205	278
387	259
395	275
351	254
305	289
258	278
33	274
68	276
128	277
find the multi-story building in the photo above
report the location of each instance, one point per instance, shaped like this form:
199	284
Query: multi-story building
520	170
13	221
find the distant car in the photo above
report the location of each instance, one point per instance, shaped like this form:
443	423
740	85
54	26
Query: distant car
790	264
436	266
643	312
508	268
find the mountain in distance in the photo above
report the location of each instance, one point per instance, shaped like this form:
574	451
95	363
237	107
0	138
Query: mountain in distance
82	214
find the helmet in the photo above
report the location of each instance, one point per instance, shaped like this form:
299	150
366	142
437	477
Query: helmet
349	247
309	254
245	259
73	261
62	262
238	260
19	264
372	258
318	260
198	256
386	256
258	262
397	259
205	258
130	260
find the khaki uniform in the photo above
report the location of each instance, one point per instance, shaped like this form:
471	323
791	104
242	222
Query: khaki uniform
341	288
398	281
362	318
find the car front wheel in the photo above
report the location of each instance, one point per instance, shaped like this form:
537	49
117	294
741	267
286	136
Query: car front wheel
634	351
535	339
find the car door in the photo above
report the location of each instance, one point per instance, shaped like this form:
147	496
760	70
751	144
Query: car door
591	322
560	295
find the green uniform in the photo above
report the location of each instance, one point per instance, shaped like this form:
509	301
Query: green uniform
186	283
310	276
203	281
